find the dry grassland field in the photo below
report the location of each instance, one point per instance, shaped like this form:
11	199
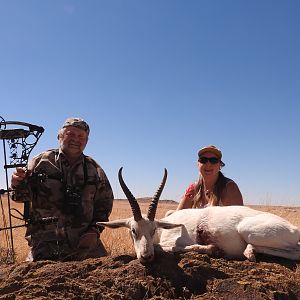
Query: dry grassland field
117	241
172	276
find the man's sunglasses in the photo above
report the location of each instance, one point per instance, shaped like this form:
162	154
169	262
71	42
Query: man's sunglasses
212	160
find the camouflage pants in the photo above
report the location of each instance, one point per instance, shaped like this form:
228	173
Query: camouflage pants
62	251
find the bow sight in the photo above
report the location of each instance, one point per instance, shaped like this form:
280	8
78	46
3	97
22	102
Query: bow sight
21	138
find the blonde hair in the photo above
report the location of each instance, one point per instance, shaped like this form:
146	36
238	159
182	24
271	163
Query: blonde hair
201	198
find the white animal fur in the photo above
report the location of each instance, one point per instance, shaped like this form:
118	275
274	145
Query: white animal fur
234	231
238	231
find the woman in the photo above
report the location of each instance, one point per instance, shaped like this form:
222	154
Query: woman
212	187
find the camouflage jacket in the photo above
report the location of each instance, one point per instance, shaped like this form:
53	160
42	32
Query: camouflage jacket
78	195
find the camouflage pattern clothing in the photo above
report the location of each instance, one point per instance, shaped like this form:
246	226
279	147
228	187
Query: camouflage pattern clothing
78	195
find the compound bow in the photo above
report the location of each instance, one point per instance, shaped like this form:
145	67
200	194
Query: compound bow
21	141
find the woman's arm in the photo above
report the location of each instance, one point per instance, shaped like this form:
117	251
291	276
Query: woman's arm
184	203
187	199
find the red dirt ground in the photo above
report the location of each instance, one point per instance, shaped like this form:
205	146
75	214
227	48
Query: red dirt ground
171	276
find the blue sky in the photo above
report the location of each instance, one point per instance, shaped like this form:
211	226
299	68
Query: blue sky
156	81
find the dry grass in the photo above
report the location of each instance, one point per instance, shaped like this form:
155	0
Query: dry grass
117	241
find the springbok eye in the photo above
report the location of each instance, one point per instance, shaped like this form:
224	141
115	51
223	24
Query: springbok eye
133	231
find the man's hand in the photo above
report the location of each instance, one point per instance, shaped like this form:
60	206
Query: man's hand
18	176
88	239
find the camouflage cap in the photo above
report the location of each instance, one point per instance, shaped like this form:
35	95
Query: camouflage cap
77	122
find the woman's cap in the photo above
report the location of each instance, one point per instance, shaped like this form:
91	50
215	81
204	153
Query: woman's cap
77	122
210	148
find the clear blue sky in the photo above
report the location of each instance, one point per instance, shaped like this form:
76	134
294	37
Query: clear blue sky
156	80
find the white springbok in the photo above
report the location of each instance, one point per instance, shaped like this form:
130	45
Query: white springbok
235	232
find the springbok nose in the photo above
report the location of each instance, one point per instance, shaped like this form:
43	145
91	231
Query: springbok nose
146	258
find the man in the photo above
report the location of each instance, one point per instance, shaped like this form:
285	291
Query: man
70	188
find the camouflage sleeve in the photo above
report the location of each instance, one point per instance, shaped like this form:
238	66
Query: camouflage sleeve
23	193
103	201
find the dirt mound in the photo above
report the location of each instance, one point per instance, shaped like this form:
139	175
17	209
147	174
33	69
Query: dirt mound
171	276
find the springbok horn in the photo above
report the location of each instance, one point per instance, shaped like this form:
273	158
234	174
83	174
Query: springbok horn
154	202
132	201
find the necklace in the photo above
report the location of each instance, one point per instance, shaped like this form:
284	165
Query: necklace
208	193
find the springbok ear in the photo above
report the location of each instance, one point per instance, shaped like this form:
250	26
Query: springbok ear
167	225
115	224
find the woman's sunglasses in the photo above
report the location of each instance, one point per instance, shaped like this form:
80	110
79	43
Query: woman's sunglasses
212	160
